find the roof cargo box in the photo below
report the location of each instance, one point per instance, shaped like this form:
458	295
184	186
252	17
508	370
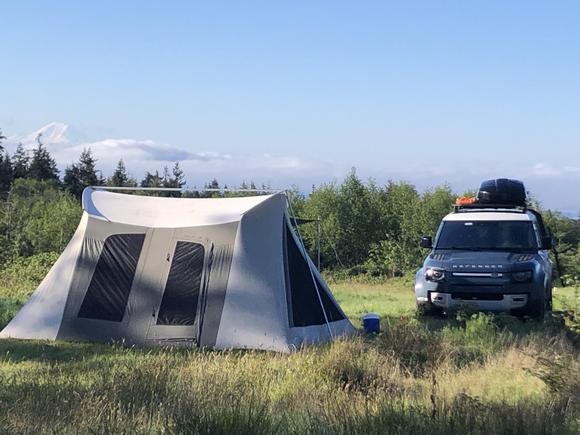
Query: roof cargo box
502	191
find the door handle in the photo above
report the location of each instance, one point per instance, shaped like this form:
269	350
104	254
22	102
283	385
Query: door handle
168	257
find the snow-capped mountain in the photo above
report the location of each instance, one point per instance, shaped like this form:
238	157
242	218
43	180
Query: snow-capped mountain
66	143
55	135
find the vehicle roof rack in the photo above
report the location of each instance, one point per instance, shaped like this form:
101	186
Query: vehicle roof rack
490	207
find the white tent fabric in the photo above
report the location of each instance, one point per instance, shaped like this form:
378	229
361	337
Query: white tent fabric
219	272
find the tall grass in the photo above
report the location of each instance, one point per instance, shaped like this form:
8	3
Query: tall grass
475	374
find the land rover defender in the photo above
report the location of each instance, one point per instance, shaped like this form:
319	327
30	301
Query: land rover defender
489	254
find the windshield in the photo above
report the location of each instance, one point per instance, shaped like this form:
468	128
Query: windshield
487	235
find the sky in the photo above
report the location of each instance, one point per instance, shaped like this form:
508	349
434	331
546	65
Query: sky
297	93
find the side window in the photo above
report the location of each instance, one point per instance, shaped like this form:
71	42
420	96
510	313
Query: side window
108	291
538	234
179	303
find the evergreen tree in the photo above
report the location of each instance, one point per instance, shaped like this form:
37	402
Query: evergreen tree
6	170
88	169
120	177
166	179
178	176
20	162
152	180
42	165
176	179
2	137
213	184
72	180
6	173
82	174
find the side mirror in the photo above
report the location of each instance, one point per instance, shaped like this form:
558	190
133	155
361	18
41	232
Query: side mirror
547	242
426	242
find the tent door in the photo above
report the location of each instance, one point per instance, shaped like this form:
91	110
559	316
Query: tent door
175	315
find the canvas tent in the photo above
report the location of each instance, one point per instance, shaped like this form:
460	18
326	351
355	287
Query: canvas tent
219	272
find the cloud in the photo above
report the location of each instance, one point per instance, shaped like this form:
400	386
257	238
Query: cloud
546	170
133	149
140	155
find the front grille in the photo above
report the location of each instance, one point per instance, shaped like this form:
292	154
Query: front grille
477	296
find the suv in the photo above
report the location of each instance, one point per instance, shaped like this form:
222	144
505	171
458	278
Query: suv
490	254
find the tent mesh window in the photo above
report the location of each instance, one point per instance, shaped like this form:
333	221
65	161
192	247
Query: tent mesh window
108	291
181	295
304	303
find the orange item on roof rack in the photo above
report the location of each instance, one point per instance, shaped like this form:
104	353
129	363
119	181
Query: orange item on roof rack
465	200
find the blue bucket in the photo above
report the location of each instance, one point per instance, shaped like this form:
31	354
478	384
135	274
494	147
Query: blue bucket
372	323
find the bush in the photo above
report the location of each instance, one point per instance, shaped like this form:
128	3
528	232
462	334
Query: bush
36	217
22	275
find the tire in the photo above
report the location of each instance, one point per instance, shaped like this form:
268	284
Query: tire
427	309
537	308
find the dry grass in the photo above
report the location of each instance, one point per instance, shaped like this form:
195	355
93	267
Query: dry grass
480	375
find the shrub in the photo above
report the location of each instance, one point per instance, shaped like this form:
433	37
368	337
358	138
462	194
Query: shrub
23	274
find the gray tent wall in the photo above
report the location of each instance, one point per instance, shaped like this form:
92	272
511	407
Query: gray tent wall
242	297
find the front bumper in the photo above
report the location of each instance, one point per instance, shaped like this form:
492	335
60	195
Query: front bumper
503	302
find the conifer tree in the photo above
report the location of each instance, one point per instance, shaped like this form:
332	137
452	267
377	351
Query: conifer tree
178	176
120	177
72	180
42	165
176	179
152	180
88	169
2	137
82	174
6	173
20	162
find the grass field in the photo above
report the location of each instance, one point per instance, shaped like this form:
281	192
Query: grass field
476	374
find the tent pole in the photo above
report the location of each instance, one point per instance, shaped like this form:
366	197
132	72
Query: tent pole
310	265
184	189
318	244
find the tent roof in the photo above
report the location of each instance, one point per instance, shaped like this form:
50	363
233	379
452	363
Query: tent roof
162	212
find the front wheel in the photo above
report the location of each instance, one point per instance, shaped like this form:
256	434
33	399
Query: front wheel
538	308
427	309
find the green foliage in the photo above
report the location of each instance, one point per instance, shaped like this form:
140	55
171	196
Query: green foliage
370	229
152	180
566	233
351	220
20	162
36	217
80	175
24	273
6	173
120	177
18	279
476	374
42	165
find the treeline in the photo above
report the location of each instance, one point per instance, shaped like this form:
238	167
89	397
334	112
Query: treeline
375	230
41	166
365	228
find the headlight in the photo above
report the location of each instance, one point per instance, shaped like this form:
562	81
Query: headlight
434	274
524	276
